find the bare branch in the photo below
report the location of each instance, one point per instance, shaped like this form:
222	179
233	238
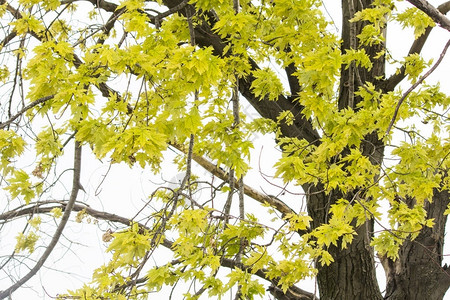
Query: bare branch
23	110
47	206
7	39
249	191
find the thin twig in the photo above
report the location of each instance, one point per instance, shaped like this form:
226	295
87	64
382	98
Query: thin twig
248	190
23	110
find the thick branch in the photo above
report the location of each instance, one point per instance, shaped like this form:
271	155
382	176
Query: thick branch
432	12
294	85
302	127
59	229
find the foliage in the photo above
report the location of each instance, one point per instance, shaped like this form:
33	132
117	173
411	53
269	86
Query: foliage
129	83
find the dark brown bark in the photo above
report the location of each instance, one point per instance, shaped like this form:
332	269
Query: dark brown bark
302	127
352	274
352	78
418	272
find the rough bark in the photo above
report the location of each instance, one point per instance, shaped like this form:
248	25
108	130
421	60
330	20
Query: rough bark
352	78
418	272
302	128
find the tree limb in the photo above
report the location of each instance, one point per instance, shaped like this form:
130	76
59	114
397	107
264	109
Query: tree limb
301	127
23	110
432	12
70	204
7	39
293	292
43	207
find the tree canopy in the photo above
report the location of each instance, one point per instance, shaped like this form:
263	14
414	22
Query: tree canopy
363	137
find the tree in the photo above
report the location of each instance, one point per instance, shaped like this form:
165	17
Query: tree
127	81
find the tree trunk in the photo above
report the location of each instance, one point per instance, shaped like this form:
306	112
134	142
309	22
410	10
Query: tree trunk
417	273
352	274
